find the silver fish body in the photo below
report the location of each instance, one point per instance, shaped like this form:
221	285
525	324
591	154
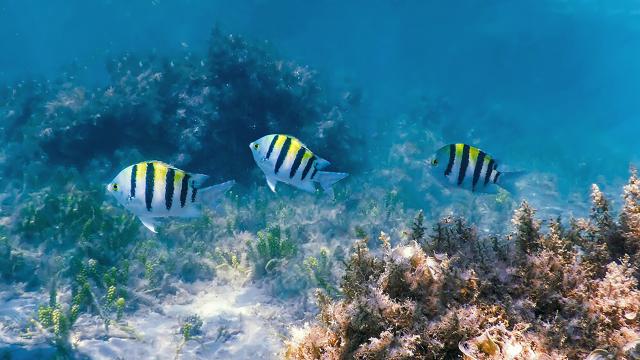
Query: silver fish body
153	189
286	159
468	167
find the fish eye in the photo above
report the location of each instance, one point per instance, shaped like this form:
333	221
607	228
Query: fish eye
256	146
114	187
434	162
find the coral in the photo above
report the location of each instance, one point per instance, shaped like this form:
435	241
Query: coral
565	295
382	299
527	234
451	234
630	216
418	228
497	342
615	304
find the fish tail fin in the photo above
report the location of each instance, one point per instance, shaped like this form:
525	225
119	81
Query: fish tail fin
327	179
508	181
210	195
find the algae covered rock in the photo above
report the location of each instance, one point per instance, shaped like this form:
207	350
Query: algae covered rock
536	293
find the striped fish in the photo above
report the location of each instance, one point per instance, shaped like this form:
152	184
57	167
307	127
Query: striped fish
465	166
153	189
285	158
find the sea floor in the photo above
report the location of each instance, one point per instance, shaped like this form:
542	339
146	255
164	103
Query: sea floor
239	321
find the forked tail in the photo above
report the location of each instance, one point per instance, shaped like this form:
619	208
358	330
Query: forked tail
210	195
508	180
327	179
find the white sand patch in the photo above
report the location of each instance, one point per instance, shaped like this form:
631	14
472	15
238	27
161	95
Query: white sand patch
238	323
17	308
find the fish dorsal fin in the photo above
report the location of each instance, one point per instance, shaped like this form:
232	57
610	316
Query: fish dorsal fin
161	163
198	179
322	163
295	139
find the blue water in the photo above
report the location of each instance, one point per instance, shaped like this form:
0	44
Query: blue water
513	71
550	87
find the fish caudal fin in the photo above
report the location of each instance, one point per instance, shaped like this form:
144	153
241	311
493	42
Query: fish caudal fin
327	179
508	181
210	195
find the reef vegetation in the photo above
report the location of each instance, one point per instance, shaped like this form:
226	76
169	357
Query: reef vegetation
188	110
565	293
429	287
87	259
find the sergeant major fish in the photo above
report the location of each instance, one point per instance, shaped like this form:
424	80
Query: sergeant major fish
285	158
465	166
153	189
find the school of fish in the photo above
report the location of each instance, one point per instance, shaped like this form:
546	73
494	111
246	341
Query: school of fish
153	189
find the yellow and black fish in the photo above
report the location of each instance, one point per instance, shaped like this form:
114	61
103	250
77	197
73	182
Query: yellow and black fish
465	166
153	189
285	158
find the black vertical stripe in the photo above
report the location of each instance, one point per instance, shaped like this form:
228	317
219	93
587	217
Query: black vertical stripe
148	191
283	154
183	189
452	158
273	143
487	175
297	161
134	173
496	178
478	169
308	167
315	170
464	163
193	194
168	194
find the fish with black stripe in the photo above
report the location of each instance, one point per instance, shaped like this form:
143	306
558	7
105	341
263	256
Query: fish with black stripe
286	159
466	166
153	189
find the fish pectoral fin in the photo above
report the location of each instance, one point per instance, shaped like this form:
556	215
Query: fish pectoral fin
149	223
198	179
272	182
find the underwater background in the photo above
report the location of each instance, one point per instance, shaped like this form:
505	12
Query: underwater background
394	265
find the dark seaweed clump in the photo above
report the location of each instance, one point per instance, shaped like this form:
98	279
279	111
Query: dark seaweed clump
196	112
562	293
